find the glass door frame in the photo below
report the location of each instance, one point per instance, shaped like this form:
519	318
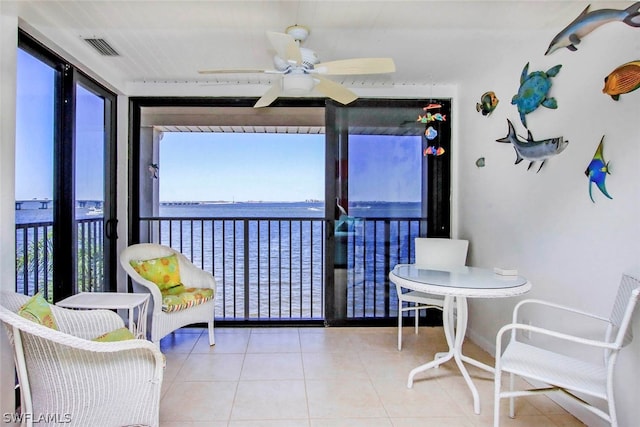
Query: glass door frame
64	222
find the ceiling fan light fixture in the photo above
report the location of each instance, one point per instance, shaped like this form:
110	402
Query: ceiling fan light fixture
298	32
297	84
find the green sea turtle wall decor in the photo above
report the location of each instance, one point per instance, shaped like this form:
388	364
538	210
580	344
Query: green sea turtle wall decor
533	91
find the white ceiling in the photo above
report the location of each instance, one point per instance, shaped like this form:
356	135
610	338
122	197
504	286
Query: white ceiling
166	42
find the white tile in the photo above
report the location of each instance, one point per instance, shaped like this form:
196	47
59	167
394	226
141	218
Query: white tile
270	400
198	401
211	367
329	377
272	366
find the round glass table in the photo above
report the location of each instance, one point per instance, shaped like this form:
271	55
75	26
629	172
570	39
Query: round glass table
456	285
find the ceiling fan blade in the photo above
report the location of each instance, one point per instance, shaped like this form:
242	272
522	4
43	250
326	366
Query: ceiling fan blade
285	46
269	96
334	90
357	66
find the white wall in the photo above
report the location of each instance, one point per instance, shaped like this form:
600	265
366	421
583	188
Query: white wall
544	224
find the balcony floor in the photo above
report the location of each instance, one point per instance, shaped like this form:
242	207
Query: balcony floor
316	377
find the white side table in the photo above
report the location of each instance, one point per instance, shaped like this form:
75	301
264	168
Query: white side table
111	301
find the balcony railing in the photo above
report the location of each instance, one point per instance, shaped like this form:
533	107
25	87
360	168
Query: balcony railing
34	257
266	268
273	268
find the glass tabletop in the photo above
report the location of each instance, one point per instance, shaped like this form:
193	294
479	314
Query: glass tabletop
458	277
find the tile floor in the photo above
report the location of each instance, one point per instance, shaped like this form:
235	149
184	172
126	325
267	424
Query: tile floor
333	377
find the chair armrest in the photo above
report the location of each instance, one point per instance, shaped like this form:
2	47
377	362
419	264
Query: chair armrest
86	324
551	333
555	306
194	277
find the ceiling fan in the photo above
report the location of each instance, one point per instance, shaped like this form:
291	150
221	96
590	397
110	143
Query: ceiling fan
302	70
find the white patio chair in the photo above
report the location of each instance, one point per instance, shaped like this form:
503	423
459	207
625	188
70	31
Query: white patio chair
163	323
63	374
561	372
430	253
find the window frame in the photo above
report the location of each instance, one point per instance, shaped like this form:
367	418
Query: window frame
67	75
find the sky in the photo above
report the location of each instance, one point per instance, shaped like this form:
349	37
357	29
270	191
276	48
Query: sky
283	167
206	166
35	130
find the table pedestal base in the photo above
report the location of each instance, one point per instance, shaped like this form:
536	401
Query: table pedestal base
455	337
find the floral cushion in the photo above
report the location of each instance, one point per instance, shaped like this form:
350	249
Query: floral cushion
188	298
164	272
120	334
38	310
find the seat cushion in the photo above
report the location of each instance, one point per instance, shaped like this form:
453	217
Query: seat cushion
120	334
38	310
164	271
183	300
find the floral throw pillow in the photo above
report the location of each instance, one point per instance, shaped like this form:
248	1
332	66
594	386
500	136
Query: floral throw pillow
164	272
38	310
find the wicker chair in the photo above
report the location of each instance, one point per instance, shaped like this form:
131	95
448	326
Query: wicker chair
577	377
68	379
163	323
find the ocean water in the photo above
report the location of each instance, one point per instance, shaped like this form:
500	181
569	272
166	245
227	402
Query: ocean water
31	212
268	257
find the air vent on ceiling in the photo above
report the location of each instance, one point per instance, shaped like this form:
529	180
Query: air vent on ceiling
102	46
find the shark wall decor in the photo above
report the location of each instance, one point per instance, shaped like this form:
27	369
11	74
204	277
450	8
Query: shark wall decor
588	21
531	149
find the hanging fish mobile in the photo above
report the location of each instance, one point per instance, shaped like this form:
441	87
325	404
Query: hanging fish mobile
430	132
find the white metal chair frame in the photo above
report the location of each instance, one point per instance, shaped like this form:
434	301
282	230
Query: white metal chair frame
63	373
561	372
164	323
430	253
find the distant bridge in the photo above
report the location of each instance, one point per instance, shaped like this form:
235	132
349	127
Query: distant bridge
45	203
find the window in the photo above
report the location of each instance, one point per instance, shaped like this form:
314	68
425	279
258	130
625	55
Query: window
65	177
192	191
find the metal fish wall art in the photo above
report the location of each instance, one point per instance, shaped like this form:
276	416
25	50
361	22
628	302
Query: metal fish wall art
597	172
533	91
587	21
488	103
624	79
531	149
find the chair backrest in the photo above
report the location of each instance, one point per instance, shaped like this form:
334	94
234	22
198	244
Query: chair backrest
439	252
623	308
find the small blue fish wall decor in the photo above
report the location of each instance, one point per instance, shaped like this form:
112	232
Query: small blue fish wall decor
533	91
533	150
587	21
597	171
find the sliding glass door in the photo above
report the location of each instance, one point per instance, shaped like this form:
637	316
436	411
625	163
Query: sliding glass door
65	177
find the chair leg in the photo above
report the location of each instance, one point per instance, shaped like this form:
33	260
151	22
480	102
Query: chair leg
399	325
612	405
512	400
496	397
417	317
212	338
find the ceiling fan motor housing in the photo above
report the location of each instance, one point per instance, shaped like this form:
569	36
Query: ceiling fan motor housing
297	83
